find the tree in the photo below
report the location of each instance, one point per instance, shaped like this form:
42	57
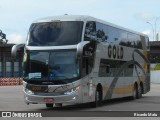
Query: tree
3	39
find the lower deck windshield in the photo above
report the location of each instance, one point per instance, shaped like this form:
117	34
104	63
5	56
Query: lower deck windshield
51	65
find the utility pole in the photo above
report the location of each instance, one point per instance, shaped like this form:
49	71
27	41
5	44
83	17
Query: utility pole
154	29
156	34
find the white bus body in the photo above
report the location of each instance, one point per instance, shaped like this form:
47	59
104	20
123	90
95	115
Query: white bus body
81	59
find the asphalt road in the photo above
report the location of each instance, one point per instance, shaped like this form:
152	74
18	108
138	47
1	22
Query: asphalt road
11	99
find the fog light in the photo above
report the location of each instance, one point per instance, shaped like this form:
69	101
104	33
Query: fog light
74	98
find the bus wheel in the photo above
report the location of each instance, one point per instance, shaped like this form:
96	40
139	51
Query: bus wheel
58	104
49	105
135	92
139	92
98	99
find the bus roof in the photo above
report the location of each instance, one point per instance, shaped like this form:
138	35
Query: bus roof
83	18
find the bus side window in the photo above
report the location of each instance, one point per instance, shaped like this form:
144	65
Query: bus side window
104	69
107	69
90	31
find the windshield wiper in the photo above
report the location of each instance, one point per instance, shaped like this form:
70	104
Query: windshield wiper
35	78
63	77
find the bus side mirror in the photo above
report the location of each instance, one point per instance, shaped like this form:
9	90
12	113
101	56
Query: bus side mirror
14	50
80	48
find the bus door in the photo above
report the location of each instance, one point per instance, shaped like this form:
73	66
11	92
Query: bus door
87	66
85	79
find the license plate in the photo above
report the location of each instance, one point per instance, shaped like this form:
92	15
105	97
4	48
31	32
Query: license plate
48	99
38	88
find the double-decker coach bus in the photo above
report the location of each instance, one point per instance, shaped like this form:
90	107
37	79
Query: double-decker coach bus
81	59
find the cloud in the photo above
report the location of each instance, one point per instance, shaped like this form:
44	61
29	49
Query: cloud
15	38
144	16
147	32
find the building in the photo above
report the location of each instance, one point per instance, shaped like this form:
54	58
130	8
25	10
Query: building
155	51
8	66
13	67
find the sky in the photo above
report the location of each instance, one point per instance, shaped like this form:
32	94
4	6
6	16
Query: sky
16	16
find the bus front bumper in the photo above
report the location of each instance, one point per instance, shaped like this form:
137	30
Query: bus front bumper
43	99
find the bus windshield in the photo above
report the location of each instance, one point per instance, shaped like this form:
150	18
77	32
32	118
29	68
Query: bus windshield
53	65
55	33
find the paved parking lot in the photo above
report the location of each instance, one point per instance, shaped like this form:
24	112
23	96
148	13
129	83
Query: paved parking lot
11	99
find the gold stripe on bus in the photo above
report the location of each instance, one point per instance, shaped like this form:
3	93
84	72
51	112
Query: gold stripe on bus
105	88
142	78
123	90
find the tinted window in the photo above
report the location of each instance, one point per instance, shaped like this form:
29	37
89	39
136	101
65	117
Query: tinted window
51	65
90	31
55	33
109	34
110	68
147	42
131	40
102	33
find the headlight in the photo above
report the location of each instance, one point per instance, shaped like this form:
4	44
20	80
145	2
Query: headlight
25	57
28	91
68	92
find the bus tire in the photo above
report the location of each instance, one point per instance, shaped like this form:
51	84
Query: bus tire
49	105
135	92
98	99
139	92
